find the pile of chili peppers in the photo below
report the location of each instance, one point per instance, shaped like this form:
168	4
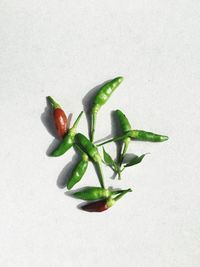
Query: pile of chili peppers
98	198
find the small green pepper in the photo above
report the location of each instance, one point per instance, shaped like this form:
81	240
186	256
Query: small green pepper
92	193
78	171
101	98
138	135
68	140
125	126
147	136
91	150
96	193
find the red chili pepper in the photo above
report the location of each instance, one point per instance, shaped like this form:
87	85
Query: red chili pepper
105	204
97	206
60	119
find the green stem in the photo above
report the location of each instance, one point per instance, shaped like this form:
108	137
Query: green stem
118	138
124	150
116	192
119	175
77	121
100	174
122	194
53	102
122	169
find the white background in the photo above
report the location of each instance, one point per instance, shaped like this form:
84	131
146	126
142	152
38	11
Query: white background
64	49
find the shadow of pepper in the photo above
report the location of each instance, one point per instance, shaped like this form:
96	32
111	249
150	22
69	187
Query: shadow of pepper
47	120
82	204
87	102
66	172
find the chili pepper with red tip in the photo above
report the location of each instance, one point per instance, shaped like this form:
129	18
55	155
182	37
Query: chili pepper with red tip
102	205
60	118
68	140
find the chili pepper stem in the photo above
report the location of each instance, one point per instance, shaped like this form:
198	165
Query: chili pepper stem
100	174
122	169
122	194
124	150
119	173
118	138
53	102
116	192
77	121
121	156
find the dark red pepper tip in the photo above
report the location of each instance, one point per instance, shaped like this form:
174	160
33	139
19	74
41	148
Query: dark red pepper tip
97	206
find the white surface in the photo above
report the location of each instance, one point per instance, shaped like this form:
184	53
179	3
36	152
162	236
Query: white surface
64	49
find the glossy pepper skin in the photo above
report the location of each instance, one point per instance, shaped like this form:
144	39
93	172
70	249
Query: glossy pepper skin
97	206
78	172
88	147
104	204
91	150
93	193
68	140
60	118
101	98
138	135
147	136
125	127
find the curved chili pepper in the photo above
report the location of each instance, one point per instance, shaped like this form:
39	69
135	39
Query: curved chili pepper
125	126
91	150
95	193
78	171
138	135
103	205
68	139
101	98
60	118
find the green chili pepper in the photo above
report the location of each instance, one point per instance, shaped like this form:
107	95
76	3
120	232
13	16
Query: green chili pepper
68	139
78	171
96	193
138	135
125	126
147	136
92	193
101	98
91	150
